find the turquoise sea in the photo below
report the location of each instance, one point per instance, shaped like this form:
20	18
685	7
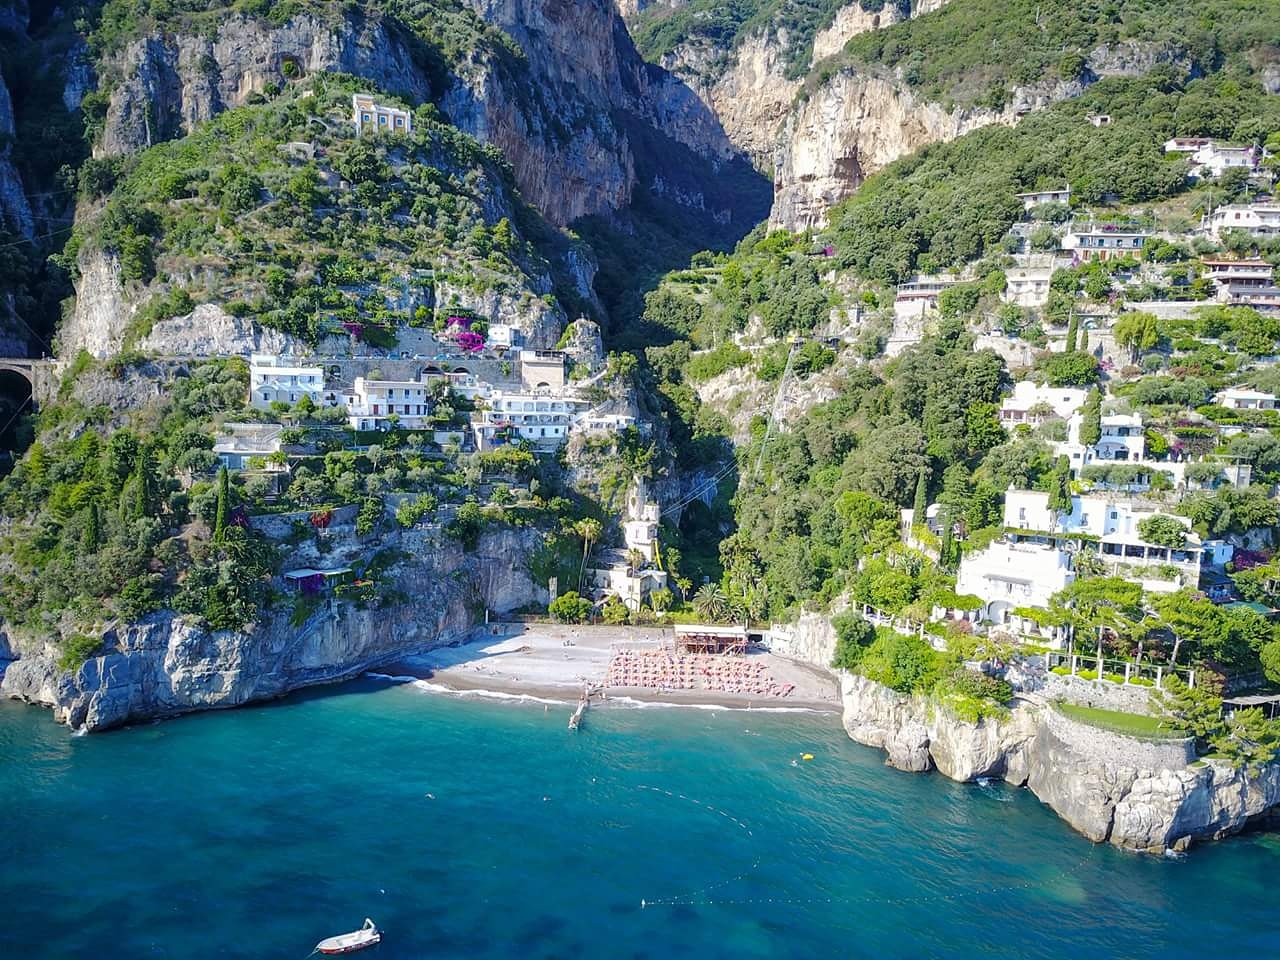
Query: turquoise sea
477	829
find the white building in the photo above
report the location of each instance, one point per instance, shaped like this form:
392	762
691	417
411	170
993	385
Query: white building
273	380
1109	527
1244	283
1215	159
503	335
1010	574
633	573
1027	396
544	421
367	114
1124	439
1027	286
1186	144
1256	219
1238	398
1036	198
242	442
920	295
1099	119
604	422
1104	242
372	403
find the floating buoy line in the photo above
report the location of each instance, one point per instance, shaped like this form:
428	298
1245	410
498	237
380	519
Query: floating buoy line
699	897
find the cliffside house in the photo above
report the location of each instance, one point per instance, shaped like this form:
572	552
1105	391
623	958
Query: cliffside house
368	114
1255	219
273	379
1214	159
1099	119
241	442
542	420
632	573
1123	439
1186	144
1104	242
318	582
919	295
1033	403
1248	283
1010	574
1036	198
1240	398
1027	286
372	402
1108	526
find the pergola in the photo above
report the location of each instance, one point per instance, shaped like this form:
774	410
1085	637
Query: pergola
706	638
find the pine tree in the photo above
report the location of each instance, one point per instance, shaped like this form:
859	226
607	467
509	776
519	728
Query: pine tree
224	495
1073	327
921	505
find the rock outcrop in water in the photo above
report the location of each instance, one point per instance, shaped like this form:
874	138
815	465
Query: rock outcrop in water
166	664
1138	794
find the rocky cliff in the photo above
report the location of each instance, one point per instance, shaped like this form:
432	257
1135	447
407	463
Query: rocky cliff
1138	794
167	664
555	110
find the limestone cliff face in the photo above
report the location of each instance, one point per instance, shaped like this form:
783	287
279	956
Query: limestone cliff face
752	95
847	130
101	314
554	113
1136	794
858	122
168	83
167	665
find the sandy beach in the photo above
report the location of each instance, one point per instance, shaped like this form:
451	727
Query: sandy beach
553	662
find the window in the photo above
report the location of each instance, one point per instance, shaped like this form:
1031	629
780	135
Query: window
399	121
382	121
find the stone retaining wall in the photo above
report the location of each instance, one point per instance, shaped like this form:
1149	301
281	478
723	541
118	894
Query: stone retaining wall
1102	694
1114	749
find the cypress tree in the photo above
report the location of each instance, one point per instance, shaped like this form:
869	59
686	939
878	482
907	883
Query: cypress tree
220	518
1091	426
921	504
1084	341
1073	327
92	528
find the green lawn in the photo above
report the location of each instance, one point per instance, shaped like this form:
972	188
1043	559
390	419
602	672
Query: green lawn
1130	724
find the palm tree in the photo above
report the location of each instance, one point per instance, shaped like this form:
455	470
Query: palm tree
710	602
589	530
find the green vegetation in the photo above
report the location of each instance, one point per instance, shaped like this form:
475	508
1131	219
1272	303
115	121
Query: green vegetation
976	52
316	245
1129	724
954	202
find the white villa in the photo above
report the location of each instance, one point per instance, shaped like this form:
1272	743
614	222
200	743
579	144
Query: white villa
544	421
1036	198
1186	144
1123	439
273	380
1215	159
367	114
1239	398
1027	286
1104	242
920	295
1109	527
1027	396
372	402
1011	574
1257	219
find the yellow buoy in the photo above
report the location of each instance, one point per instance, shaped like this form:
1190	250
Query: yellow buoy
806	756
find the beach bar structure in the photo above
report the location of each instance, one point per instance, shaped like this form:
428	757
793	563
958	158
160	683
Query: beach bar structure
708	638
